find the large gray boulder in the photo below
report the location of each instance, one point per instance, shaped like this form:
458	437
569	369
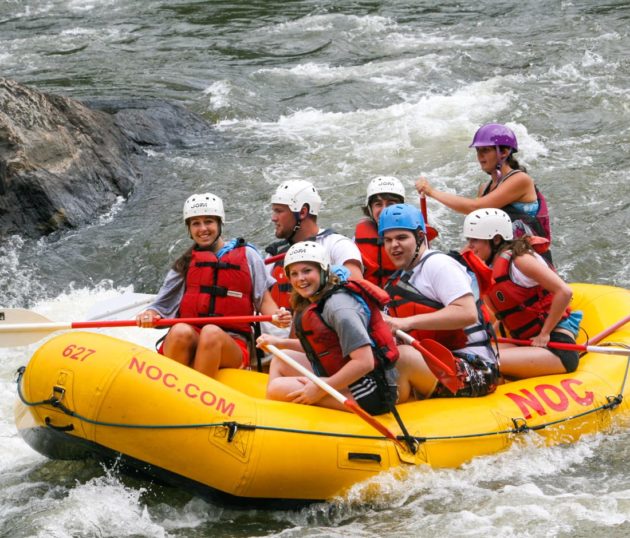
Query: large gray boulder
60	162
63	162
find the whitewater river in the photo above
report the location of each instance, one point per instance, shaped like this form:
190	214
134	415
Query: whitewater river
335	92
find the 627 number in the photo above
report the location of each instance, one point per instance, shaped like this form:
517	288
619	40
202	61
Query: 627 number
77	353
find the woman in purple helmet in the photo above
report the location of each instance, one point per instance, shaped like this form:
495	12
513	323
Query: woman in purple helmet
510	188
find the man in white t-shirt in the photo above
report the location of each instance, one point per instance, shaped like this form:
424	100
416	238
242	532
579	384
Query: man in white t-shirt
294	209
432	297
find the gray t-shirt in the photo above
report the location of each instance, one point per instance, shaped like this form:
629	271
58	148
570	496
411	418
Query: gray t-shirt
170	295
349	319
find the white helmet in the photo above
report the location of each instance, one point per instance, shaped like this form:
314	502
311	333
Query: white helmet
486	223
385	184
306	251
295	193
206	204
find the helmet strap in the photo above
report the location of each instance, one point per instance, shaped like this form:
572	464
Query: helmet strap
298	223
218	235
420	239
500	162
323	280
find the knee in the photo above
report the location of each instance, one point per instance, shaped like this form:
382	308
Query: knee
181	334
274	389
212	333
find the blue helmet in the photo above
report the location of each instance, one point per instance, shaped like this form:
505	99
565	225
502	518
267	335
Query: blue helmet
400	216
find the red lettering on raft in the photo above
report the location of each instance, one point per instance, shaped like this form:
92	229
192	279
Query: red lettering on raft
190	390
553	397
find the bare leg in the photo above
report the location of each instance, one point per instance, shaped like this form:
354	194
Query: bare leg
284	379
180	343
521	362
413	373
216	349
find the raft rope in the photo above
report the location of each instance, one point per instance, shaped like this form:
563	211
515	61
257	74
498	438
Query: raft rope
520	424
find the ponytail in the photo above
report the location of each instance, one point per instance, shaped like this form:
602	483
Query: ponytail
180	265
512	162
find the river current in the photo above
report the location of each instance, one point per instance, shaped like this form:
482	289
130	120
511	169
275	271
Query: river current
336	93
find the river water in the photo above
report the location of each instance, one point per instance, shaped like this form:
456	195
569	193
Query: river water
334	92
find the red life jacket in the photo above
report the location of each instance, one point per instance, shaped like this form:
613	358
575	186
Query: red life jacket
219	286
521	310
407	301
378	266
321	343
281	290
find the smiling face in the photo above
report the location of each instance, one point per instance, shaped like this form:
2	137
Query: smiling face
400	245
283	220
305	278
204	230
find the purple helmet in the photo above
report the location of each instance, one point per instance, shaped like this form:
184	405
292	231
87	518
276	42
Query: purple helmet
494	134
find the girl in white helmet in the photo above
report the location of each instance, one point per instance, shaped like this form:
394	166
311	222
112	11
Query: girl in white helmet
528	297
212	278
341	337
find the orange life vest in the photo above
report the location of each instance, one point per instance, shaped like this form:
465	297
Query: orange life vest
378	266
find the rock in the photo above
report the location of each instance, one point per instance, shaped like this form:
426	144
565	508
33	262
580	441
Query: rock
63	162
154	122
60	162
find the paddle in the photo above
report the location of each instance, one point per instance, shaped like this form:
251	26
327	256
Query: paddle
274	259
20	327
346	402
129	303
432	233
439	359
571	347
599	337
120	307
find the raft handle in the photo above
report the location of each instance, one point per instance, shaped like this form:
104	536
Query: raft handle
520	425
67	428
364	456
233	428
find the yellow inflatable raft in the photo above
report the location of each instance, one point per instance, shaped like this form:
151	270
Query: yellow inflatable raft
89	395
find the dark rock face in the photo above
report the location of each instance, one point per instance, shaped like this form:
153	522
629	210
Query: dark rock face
154	122
62	162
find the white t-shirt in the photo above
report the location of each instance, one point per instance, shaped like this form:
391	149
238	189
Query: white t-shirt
441	278
339	248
